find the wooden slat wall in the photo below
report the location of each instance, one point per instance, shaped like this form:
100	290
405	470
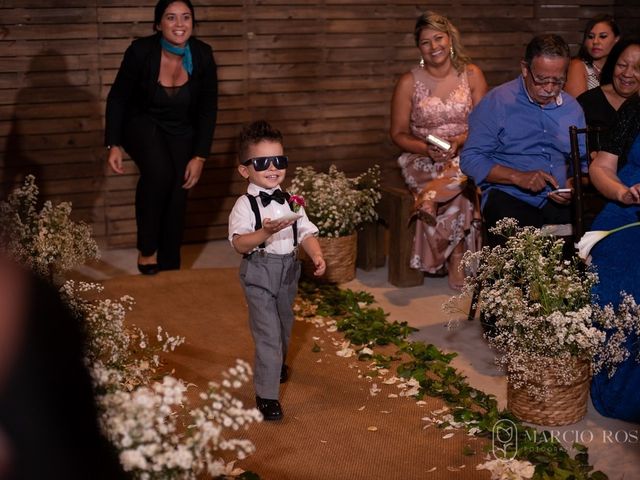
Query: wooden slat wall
321	70
50	111
627	14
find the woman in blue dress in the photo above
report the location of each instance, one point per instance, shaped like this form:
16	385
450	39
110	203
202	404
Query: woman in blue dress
616	174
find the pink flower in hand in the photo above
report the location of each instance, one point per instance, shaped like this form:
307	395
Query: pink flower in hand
296	201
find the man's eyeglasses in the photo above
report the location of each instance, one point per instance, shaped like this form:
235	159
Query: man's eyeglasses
543	82
260	164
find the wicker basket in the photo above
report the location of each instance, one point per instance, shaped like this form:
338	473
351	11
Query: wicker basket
564	404
340	256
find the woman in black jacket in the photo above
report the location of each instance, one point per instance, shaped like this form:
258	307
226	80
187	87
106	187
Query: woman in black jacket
162	110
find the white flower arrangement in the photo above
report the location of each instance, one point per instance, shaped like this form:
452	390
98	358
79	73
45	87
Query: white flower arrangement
158	432
589	239
47	241
338	205
542	308
159	435
129	354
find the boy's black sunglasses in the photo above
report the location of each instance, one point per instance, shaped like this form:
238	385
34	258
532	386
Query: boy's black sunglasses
260	164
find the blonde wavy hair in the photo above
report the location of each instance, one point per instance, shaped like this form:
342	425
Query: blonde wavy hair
441	23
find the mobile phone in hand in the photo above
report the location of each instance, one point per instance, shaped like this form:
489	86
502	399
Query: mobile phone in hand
561	190
438	142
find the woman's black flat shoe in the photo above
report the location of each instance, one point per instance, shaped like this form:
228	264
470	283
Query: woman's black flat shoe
148	269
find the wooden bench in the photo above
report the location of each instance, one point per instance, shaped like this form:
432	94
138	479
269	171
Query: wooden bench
394	211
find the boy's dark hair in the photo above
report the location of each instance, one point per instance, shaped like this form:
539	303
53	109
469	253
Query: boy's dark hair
546	45
254	133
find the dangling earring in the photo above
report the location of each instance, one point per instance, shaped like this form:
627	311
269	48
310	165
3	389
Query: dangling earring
451	52
421	63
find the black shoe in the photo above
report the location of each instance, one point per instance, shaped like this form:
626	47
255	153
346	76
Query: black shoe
284	373
270	409
148	269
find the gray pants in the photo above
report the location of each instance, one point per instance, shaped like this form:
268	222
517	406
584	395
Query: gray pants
270	284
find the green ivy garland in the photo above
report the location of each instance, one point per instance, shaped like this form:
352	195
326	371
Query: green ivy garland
364	325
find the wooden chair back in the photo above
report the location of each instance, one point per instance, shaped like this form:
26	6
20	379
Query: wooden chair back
591	135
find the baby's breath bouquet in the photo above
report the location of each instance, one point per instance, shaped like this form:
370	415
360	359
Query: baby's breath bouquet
338	205
159	429
539	308
47	240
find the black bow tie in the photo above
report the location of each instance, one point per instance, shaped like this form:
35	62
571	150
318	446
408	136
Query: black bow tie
277	196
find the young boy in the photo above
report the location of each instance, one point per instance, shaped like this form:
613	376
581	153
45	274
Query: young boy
260	229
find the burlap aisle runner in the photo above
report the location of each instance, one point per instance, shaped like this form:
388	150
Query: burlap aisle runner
333	427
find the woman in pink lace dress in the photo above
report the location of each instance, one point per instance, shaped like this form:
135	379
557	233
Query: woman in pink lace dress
436	98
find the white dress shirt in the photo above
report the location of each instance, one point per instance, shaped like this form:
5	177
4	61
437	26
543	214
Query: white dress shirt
242	220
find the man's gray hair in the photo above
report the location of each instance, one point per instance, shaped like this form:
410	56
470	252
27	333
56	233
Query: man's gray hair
546	45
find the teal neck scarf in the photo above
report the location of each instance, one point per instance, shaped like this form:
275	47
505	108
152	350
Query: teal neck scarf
185	53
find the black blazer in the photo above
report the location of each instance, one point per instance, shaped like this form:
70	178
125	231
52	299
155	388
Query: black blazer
137	81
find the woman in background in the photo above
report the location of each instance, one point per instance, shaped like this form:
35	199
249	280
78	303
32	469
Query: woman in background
615	258
162	110
435	98
620	80
600	35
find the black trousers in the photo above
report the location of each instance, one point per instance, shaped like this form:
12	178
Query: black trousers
160	198
501	205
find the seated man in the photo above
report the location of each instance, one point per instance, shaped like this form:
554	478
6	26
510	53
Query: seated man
518	146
